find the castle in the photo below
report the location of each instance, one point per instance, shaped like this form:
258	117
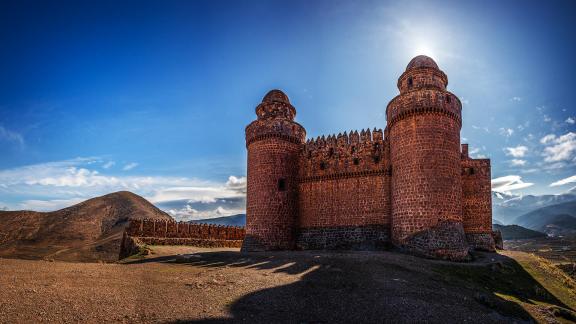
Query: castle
412	186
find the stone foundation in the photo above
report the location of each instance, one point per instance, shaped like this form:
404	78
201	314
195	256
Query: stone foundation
498	242
371	237
481	241
446	241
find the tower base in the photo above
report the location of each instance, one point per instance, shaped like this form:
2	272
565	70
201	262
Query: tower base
445	241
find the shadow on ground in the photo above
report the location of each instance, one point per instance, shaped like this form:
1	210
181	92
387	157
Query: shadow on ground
379	287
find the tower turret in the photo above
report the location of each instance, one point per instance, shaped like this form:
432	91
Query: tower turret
274	142
424	124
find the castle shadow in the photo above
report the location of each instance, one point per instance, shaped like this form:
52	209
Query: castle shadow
377	287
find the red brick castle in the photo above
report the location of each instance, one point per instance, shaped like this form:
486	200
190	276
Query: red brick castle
412	186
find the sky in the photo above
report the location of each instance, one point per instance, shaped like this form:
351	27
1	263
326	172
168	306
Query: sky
153	96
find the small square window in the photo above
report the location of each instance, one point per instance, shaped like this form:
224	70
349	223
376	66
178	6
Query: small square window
356	161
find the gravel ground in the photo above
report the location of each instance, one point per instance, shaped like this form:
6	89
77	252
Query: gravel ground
178	284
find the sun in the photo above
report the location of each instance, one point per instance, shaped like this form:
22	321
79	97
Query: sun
424	49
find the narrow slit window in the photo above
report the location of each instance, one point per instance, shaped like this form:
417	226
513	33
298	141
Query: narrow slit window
281	184
410	82
448	99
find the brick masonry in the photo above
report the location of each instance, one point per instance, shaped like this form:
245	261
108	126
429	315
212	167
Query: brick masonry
411	185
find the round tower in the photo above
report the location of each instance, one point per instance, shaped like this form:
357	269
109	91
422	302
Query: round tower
274	142
424	124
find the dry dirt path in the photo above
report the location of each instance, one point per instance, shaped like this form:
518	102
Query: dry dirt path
295	287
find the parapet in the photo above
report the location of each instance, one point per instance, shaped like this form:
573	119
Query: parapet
353	152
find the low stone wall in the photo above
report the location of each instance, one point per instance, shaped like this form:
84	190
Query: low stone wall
159	232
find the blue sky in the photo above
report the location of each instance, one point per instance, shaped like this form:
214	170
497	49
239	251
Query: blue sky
153	97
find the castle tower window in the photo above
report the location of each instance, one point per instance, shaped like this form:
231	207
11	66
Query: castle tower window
410	82
322	165
281	184
309	154
356	161
353	149
330	152
448	99
376	159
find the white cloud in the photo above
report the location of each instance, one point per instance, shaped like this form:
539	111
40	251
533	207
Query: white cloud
509	183
564	181
561	148
108	164
547	139
570	120
517	162
188	213
518	151
46	205
130	166
547	119
52	185
11	136
506	132
481	128
517	99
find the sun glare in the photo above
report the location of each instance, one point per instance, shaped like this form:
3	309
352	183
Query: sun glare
424	50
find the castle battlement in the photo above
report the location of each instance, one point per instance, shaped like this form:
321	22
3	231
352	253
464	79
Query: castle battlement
411	185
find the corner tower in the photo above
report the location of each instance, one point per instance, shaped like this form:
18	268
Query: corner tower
423	125
274	142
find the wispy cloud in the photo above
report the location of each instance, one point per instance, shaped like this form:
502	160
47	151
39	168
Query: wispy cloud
517	162
560	148
509	183
564	181
506	132
108	164
130	166
570	120
517	152
11	136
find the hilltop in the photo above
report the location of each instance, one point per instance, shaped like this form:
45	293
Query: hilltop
187	284
88	231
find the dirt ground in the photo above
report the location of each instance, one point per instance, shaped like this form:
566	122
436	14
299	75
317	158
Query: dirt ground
185	284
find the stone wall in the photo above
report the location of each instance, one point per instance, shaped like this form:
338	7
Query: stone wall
161	232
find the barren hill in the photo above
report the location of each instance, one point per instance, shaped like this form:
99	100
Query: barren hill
88	231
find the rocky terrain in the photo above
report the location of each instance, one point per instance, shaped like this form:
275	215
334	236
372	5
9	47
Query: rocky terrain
185	284
89	231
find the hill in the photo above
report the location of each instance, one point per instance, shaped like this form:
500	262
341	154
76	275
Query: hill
88	231
234	220
194	285
516	232
558	219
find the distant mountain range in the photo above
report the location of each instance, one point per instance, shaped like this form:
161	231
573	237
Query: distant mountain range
234	220
89	231
516	232
555	220
508	208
